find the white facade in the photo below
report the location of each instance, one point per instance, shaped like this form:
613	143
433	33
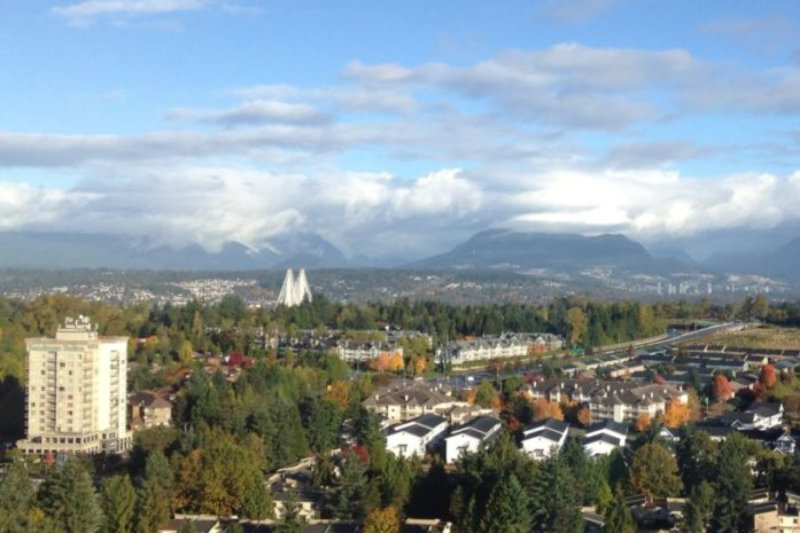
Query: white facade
470	437
544	439
76	398
415	436
604	437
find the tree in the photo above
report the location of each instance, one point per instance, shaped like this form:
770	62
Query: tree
676	414
654	472
507	508
767	377
722	389
584	416
699	508
733	486
697	457
618	517
16	497
68	497
349	494
555	506
186	353
642	422
118	503
292	520
576	323
543	408
155	494
382	520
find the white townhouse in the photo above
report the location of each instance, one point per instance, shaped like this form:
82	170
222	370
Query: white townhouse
416	436
604	437
470	436
542	439
760	415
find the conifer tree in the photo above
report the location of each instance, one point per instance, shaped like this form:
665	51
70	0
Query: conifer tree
118	503
507	508
69	499
16	497
618	517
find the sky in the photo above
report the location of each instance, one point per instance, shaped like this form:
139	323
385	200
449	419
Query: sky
397	128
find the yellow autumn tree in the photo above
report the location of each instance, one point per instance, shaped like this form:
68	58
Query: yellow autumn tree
338	392
396	363
676	414
382	520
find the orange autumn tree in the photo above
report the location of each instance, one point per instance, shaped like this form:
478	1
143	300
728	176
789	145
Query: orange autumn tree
584	416
767	377
722	388
545	409
381	363
642	422
676	414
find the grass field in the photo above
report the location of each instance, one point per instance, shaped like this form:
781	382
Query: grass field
768	337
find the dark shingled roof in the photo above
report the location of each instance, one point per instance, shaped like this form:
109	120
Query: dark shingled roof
558	426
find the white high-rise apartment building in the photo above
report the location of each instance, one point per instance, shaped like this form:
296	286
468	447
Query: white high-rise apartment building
76	399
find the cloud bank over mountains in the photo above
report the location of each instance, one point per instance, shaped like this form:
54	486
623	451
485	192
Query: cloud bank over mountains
408	159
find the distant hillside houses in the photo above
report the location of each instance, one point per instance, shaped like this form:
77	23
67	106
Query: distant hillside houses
610	400
497	347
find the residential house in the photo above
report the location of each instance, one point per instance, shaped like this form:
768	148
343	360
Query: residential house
308	502
604	437
199	523
542	439
150	408
416	436
470	436
760	415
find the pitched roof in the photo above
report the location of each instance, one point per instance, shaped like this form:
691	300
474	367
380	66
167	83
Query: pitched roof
608	425
551	424
480	425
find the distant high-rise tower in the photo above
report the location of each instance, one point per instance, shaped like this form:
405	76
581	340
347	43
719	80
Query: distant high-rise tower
76	392
294	291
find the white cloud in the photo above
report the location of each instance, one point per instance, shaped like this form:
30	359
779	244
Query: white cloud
254	112
89	11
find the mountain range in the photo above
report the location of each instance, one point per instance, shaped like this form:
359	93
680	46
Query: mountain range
498	249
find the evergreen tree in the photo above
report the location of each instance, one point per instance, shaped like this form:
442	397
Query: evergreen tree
155	494
69	499
699	508
732	488
618	517
507	509
350	493
16	497
654	472
118	503
291	520
554	502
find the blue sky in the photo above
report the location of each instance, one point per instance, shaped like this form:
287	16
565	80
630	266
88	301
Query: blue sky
397	128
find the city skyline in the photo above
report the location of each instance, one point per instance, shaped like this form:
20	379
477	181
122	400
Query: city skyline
391	129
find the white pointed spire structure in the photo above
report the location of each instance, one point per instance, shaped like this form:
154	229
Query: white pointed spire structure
294	291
